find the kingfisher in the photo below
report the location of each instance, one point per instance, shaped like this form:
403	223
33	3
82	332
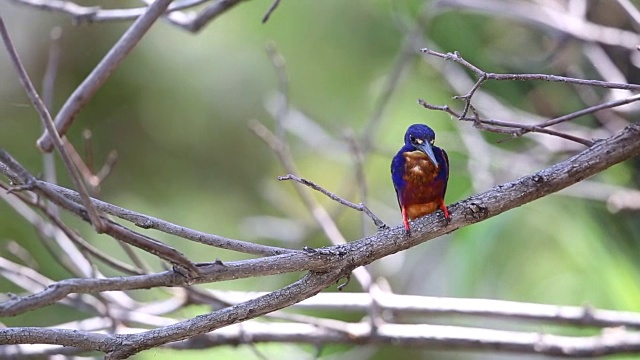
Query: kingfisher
420	171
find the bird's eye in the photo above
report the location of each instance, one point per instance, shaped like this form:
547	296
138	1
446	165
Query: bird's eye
432	141
417	141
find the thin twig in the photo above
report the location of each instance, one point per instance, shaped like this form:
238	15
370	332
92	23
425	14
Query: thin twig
484	76
319	213
455	57
360	207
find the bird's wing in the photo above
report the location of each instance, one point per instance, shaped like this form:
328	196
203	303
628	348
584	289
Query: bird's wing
446	174
397	165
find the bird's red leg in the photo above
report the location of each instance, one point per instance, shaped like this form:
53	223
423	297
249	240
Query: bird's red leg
405	219
444	209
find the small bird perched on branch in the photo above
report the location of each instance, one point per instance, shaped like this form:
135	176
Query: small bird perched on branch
420	171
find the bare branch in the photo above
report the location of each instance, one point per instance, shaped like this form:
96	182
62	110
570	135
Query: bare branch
455	57
48	82
498	125
73	338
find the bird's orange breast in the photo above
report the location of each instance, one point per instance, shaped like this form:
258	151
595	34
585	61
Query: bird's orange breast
418	168
423	192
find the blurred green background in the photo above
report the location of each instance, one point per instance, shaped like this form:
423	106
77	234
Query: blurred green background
177	113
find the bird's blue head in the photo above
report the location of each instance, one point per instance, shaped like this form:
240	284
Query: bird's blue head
421	137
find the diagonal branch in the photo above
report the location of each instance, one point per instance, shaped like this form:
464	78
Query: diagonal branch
484	76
